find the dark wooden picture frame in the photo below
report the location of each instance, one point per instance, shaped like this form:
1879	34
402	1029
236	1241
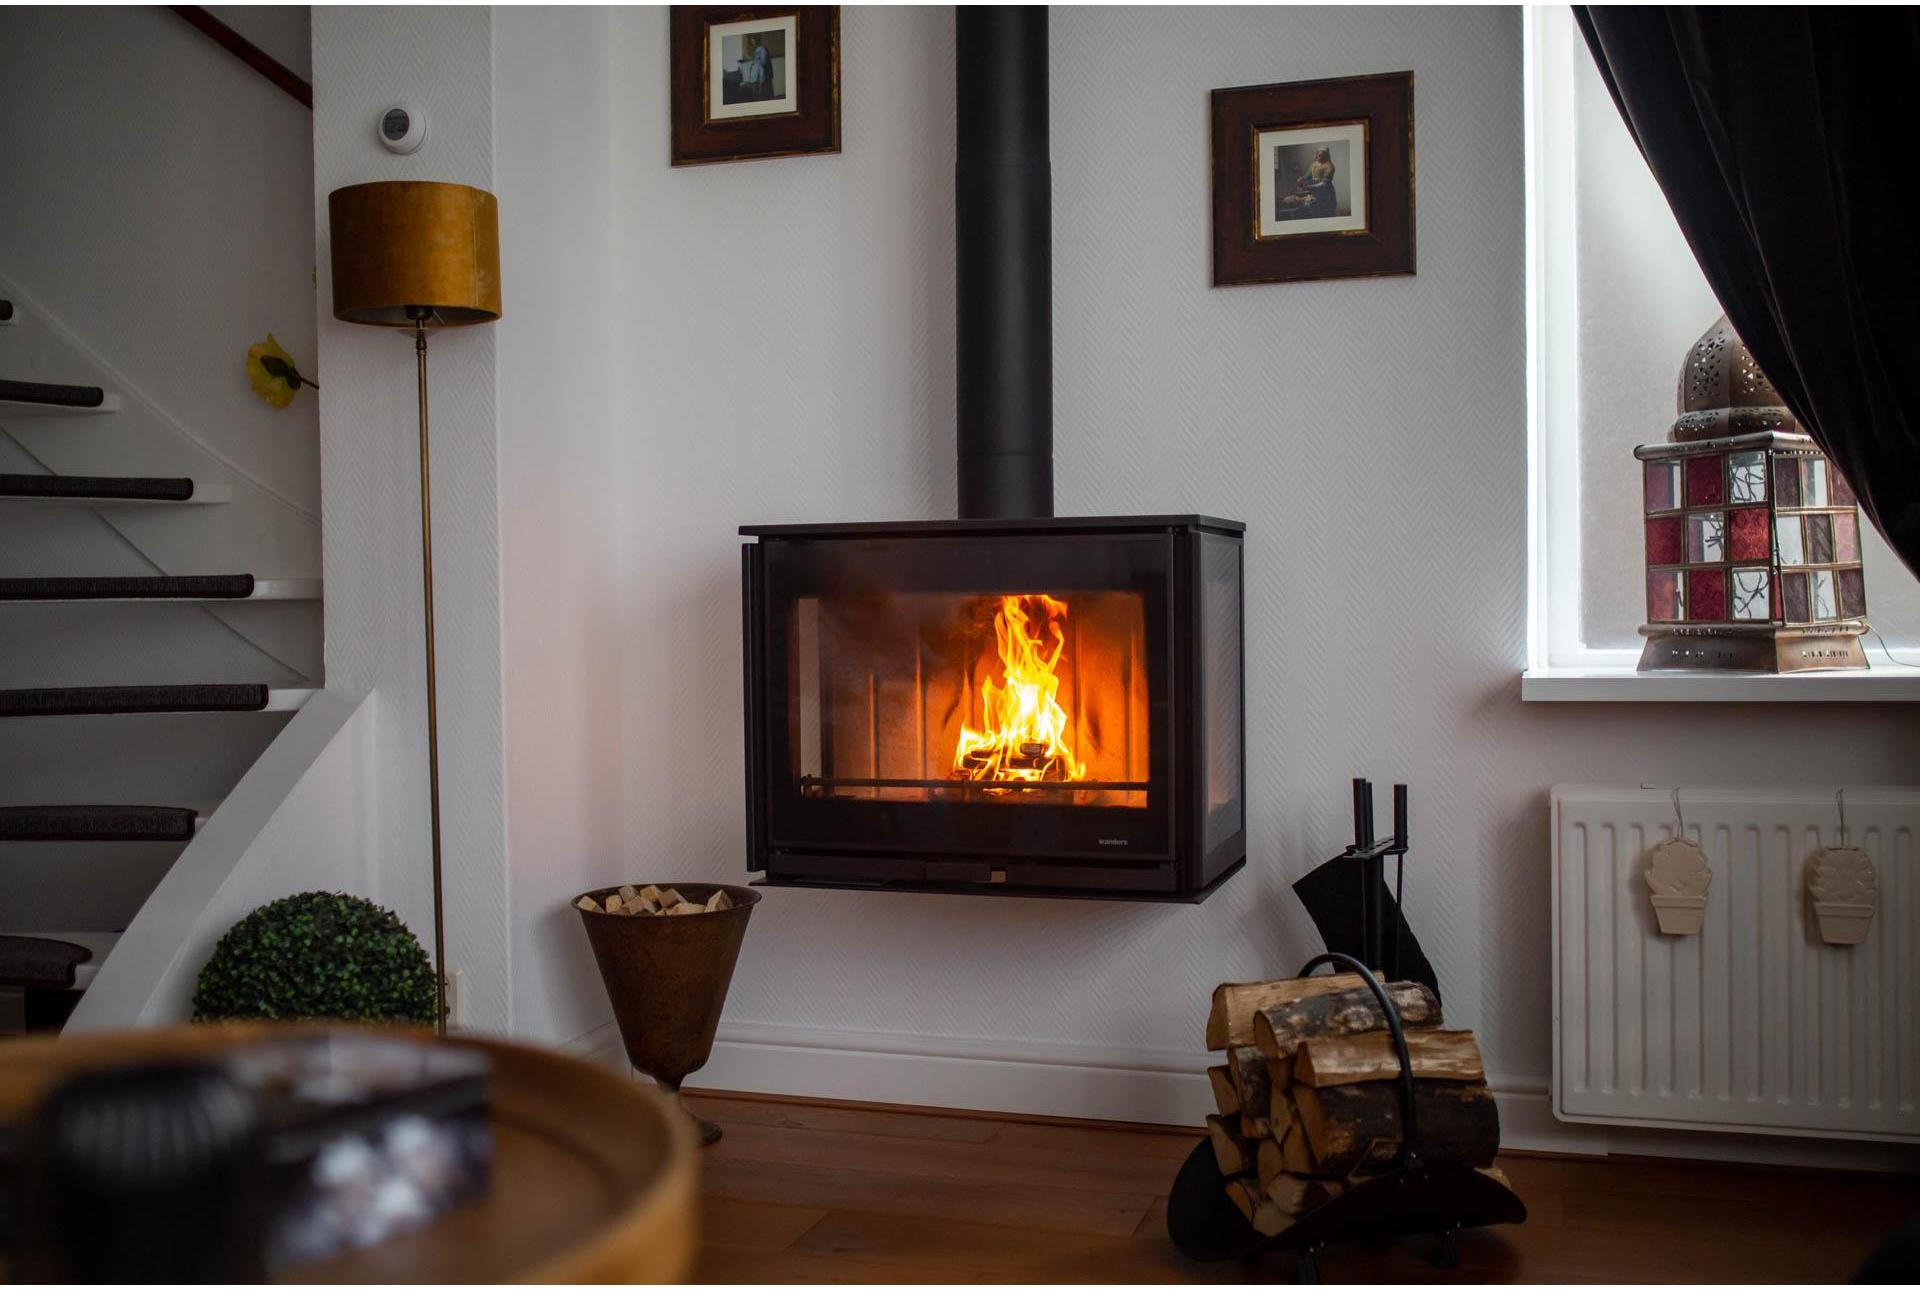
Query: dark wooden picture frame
814	124
1374	111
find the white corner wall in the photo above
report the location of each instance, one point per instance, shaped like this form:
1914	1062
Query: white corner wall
365	59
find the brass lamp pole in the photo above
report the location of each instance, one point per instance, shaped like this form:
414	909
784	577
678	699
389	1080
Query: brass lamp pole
413	254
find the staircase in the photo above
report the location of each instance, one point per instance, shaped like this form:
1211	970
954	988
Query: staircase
58	849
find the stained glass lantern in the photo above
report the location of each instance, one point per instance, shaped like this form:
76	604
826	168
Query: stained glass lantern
1753	538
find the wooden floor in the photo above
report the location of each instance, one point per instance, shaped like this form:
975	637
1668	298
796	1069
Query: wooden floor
810	1191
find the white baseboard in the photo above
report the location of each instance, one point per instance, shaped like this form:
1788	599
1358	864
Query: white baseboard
1148	1086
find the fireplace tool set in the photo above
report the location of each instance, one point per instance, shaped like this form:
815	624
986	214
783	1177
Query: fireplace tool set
1412	1196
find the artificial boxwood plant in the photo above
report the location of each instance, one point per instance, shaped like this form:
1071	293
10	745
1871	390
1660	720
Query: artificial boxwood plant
317	955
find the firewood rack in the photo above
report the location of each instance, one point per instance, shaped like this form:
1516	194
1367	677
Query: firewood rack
1410	1198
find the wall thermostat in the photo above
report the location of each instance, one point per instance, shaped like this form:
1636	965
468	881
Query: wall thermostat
403	127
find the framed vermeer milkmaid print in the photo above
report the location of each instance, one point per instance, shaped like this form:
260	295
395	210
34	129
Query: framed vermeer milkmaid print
749	83
1313	179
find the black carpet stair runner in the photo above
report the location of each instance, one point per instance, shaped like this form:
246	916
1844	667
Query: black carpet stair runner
96	823
118	488
226	586
53	396
104	700
39	963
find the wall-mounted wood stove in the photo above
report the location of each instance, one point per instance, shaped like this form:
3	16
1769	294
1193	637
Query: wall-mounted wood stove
1046	706
1008	702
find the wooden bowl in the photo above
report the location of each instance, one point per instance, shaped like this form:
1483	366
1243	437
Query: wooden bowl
593	1173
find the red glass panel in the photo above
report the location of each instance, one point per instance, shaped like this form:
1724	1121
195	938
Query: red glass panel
1819	539
1846	538
1663	597
1706	480
1664	535
1707	595
1842	490
1663	485
1853	593
1796	589
1747	533
1786	481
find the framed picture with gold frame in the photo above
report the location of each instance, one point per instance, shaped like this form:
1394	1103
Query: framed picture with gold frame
747	83
1313	179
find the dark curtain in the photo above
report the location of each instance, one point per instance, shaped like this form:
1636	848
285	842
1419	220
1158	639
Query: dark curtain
1787	141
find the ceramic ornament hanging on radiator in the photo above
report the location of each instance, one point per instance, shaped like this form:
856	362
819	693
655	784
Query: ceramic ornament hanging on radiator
1678	876
1843	889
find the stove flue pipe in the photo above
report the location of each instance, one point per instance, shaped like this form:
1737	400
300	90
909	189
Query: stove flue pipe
1003	209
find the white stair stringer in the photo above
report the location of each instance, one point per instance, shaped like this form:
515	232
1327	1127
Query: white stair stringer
259	526
297	821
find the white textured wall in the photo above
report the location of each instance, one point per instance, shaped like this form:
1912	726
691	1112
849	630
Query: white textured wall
365	59
567	398
787	327
688	350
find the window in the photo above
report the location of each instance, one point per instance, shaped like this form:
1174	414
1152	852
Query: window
1614	301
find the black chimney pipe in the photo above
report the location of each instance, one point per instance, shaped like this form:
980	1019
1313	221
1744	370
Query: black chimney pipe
1003	214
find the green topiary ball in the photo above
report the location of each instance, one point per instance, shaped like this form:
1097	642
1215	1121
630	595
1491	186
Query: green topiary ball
317	955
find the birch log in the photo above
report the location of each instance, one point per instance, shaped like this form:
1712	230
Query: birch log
1360	1059
1279	1028
1230	1021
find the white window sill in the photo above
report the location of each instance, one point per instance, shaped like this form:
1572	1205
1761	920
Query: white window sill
1884	682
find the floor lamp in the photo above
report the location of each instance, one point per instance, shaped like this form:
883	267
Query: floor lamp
413	255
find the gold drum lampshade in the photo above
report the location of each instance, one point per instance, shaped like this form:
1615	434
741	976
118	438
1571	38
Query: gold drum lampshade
404	244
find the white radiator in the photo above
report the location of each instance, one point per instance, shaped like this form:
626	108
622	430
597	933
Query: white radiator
1753	1024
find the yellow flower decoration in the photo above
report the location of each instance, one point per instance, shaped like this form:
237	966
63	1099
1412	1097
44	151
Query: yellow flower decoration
273	374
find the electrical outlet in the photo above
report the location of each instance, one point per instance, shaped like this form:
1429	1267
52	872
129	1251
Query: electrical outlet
456	999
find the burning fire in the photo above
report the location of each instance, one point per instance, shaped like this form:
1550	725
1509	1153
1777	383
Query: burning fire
1025	738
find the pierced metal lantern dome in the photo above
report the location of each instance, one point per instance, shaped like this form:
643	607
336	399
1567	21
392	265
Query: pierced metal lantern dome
1722	391
1753	539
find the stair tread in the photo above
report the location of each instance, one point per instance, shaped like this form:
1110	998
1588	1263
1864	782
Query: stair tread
222	587
95	823
84	398
127	488
60	701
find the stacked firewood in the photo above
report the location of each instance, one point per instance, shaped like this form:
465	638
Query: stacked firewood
1310	1099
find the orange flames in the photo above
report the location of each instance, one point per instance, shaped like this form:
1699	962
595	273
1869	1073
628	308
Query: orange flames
1025	739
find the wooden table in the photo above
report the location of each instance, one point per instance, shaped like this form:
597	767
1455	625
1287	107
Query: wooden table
593	1175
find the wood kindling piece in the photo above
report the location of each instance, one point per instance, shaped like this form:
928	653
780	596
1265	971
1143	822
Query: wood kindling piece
1231	1150
1230	1021
1310	1094
1279	1027
1356	1126
1247	1067
1361	1059
1226	1099
1267	1218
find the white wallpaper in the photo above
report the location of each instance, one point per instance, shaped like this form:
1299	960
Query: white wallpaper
790	327
688	350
